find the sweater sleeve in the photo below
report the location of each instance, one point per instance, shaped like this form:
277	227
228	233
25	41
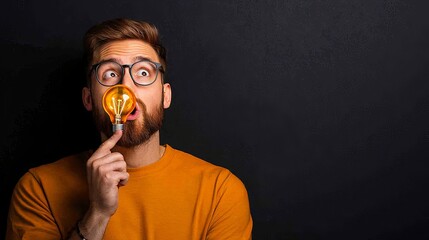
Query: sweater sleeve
232	218
29	212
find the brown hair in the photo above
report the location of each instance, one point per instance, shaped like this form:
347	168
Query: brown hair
121	29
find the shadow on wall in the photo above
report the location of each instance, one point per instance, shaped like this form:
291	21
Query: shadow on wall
48	121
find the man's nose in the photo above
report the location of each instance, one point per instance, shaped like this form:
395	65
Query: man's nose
127	79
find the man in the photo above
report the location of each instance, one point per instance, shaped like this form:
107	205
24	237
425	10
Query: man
131	187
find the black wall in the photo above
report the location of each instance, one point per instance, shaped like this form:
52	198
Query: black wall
320	107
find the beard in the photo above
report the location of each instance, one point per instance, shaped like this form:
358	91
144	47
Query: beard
135	132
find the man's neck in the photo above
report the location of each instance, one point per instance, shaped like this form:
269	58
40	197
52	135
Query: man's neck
144	154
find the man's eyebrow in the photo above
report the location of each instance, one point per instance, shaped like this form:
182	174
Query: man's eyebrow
110	60
136	59
141	58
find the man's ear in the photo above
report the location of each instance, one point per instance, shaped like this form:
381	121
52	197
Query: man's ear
86	98
167	95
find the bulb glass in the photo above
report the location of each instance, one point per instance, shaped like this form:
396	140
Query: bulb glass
118	102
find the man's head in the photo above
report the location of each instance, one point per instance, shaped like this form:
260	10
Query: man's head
121	29
125	42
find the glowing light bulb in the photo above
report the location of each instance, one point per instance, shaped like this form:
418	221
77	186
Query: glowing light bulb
118	102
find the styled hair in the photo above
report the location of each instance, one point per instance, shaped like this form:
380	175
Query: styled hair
121	29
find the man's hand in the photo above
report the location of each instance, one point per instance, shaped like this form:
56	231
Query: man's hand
106	171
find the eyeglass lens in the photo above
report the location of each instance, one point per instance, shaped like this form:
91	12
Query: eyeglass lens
142	72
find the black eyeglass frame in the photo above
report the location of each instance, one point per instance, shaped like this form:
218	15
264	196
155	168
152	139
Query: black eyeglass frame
94	68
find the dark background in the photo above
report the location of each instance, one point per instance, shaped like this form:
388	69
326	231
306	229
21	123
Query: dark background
320	107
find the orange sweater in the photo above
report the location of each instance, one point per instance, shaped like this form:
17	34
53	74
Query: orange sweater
178	197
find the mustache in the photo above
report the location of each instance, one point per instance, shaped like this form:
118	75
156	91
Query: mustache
141	104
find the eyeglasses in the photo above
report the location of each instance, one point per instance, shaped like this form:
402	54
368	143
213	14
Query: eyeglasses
143	73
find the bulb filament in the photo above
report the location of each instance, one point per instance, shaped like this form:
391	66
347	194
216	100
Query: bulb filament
118	106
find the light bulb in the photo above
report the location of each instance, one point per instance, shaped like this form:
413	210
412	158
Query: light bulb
118	102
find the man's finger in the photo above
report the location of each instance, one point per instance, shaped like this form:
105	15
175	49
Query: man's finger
109	143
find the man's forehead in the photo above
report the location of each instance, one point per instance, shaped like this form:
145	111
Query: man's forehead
125	50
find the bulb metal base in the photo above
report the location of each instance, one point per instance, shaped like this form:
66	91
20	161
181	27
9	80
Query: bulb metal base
117	127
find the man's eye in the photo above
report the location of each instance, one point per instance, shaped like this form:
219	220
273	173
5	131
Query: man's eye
142	73
110	74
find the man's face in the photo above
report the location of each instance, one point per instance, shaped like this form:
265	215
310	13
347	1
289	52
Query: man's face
147	118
